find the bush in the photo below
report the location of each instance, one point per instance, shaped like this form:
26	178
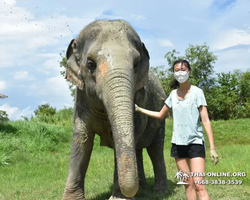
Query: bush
3	116
45	109
36	136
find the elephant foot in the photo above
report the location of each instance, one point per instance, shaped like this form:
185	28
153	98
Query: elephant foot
143	184
121	198
77	195
162	189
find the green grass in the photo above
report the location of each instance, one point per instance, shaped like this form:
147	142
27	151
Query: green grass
34	161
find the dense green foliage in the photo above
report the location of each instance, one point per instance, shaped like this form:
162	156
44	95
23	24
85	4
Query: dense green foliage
39	134
229	98
45	109
4	116
46	113
63	65
227	94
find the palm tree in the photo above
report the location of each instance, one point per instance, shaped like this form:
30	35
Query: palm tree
179	175
185	176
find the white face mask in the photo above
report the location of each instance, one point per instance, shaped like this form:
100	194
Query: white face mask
181	76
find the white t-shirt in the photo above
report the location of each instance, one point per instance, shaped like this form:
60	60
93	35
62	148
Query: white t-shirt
187	127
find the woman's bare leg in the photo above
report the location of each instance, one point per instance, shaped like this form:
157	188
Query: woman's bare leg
198	165
183	165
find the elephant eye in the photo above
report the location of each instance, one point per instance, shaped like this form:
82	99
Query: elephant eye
91	65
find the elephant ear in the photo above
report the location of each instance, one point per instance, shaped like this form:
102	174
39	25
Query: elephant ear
73	68
142	75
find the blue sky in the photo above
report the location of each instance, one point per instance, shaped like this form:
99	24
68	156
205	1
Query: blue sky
34	32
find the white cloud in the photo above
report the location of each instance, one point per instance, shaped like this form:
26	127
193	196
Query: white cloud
49	63
9	2
66	105
139	17
166	43
52	89
23	75
2	85
229	60
14	113
52	63
57	86
231	38
23	33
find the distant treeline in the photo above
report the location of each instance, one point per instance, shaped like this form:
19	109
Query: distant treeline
227	94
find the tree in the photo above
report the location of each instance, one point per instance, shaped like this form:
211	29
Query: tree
242	109
45	109
201	60
63	64
165	77
3	116
171	57
223	96
229	98
244	84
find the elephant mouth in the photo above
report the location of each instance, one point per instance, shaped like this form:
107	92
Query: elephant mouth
100	113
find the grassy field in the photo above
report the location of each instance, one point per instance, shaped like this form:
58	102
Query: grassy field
34	161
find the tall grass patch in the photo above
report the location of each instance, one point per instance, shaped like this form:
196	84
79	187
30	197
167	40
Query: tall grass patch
35	158
20	138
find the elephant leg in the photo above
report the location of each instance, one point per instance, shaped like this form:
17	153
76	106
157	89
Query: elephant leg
155	151
141	173
117	195
82	145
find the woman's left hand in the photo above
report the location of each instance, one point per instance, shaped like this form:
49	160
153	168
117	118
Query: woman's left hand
214	156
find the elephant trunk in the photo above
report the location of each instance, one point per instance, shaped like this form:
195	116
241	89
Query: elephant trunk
118	100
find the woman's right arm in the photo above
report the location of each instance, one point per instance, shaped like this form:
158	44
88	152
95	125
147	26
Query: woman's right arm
159	115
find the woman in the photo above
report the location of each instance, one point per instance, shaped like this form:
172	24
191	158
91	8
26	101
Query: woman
188	147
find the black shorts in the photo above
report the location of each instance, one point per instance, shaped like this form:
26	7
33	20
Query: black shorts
188	151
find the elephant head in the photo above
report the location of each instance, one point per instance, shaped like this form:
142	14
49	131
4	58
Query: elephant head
109	63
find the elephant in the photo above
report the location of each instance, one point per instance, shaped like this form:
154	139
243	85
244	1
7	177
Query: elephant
109	65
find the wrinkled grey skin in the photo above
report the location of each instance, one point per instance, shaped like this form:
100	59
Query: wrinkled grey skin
110	66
